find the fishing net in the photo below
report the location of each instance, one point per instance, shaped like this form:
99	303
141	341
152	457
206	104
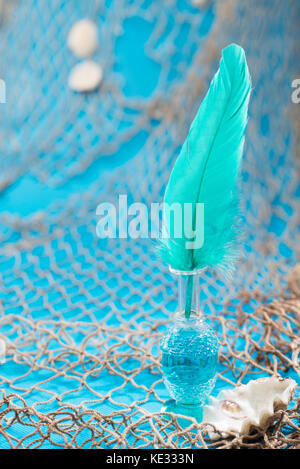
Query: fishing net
82	317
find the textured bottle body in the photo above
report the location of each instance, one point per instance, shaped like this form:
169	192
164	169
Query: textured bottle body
189	360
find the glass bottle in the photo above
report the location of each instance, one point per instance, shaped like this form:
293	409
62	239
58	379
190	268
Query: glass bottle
189	353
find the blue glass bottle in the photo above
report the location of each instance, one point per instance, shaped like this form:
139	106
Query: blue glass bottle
189	354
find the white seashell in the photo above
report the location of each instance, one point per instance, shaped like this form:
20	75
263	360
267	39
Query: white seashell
200	3
2	351
86	76
249	406
83	38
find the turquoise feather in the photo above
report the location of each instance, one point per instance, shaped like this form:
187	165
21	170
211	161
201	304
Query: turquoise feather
206	171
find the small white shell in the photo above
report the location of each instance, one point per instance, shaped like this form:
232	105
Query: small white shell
86	76
249	406
83	38
2	351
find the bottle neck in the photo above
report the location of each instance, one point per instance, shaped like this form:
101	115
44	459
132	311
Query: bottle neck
189	294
